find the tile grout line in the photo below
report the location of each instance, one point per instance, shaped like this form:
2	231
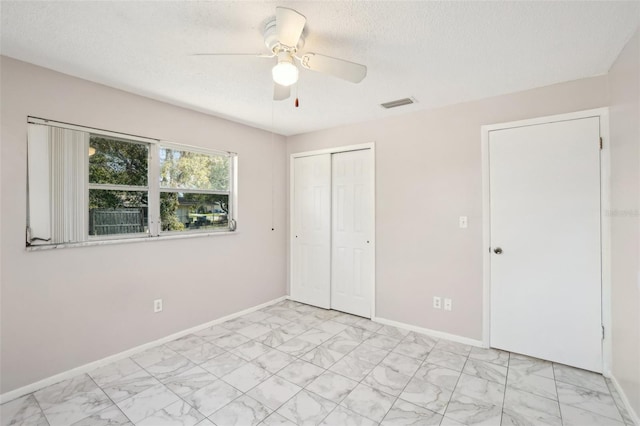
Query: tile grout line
110	399
504	395
366	375
180	398
555	384
446	408
40	407
407	384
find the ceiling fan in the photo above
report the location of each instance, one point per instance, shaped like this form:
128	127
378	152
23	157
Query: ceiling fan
283	37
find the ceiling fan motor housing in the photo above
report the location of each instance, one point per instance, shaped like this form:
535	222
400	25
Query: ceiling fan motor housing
272	42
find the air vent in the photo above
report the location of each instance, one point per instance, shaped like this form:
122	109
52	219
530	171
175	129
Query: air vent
399	102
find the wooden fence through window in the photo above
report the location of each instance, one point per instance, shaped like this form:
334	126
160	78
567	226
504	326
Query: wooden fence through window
116	221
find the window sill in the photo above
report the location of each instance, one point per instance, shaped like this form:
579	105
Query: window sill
162	237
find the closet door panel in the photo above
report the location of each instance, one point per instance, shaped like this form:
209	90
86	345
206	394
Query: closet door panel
311	239
352	232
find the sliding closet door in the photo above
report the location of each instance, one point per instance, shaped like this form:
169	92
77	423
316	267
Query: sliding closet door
311	239
352	263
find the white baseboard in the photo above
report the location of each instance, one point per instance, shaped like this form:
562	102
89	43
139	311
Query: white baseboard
432	333
17	393
428	332
634	416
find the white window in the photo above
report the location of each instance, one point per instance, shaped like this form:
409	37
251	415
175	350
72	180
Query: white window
90	185
118	186
199	184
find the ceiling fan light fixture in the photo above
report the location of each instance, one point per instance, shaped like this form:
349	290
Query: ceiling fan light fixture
285	73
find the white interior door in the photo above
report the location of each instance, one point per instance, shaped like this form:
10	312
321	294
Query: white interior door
545	217
352	262
311	239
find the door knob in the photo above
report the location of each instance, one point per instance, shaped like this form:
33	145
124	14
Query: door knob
497	250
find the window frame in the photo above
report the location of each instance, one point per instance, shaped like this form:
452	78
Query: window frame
231	216
153	190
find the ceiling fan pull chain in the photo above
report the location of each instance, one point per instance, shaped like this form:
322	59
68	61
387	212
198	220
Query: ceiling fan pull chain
297	103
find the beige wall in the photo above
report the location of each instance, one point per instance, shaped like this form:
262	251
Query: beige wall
64	308
428	173
624	92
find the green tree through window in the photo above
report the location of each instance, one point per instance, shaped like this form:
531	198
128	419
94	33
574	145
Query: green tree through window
116	162
182	172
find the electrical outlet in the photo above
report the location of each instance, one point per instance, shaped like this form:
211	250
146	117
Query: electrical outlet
462	221
157	305
447	304
437	302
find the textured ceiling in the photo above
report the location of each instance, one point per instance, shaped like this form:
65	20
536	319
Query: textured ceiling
439	52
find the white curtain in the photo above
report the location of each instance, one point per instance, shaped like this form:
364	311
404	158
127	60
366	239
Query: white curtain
58	190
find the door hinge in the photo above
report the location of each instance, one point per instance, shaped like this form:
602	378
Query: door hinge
600	143
603	332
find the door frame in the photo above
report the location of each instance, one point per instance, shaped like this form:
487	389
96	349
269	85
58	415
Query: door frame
605	222
336	150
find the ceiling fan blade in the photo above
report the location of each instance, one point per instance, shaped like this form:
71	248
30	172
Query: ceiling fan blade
257	55
280	93
340	68
289	26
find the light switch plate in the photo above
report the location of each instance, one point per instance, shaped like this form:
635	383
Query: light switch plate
462	221
447	304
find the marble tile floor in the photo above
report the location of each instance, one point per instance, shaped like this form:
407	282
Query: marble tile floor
294	364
